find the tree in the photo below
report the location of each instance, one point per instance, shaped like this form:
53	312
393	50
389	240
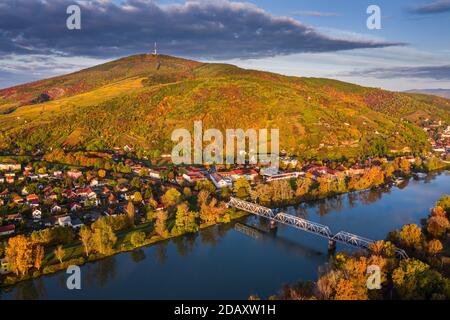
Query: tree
171	198
103	237
38	256
438	226
444	203
137	238
101	173
86	239
59	253
413	279
131	212
160	225
137	197
184	220
434	247
242	188
411	235
19	253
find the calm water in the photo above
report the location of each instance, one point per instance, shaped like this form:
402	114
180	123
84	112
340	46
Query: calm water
222	262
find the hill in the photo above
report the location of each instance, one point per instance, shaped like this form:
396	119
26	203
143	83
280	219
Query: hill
444	93
139	100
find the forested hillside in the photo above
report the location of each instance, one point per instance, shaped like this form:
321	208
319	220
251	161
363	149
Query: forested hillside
139	100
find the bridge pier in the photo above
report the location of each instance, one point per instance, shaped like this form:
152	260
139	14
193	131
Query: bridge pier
331	245
273	225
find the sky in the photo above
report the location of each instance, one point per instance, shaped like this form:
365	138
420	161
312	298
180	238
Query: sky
320	38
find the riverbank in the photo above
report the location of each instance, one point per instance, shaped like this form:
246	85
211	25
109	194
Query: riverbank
75	252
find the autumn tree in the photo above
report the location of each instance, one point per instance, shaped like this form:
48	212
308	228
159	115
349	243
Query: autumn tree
19	253
161	223
131	212
103	237
184	220
242	188
414	279
434	247
38	256
437	226
59	253
411	235
86	239
137	238
171	198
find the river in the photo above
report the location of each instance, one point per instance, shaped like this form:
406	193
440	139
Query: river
224	263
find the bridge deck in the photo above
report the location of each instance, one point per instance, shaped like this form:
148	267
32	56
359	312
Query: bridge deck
306	225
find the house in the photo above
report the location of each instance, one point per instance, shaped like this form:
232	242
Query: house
4	193
58	174
34	177
74	174
43	175
93	183
284	176
37	214
55	208
5	267
74	207
112	199
10	166
18	200
7	230
2	180
154	173
32	197
24	191
65	221
192	176
220	181
320	171
14	217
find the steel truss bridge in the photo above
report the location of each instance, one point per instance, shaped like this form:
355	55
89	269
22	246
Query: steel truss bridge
306	225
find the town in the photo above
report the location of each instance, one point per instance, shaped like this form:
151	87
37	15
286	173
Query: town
57	195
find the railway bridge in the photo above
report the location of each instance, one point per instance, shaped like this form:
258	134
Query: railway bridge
308	226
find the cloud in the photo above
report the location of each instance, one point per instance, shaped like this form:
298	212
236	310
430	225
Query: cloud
431	8
422	72
315	14
217	29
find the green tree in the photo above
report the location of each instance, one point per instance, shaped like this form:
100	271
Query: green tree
242	188
171	198
137	238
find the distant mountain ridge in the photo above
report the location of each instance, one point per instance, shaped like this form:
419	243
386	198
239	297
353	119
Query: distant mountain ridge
139	100
444	93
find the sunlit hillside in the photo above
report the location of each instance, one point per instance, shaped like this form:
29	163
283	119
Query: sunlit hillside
139	100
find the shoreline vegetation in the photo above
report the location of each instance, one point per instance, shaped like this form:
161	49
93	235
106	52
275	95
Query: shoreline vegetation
424	275
52	250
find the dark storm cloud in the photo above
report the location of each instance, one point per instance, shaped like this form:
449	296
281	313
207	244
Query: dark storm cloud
430	8
428	72
214	29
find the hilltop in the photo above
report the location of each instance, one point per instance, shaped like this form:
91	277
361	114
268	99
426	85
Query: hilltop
138	100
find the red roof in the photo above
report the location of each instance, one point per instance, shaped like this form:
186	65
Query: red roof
7	228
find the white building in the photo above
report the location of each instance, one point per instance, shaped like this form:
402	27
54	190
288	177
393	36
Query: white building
220	181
